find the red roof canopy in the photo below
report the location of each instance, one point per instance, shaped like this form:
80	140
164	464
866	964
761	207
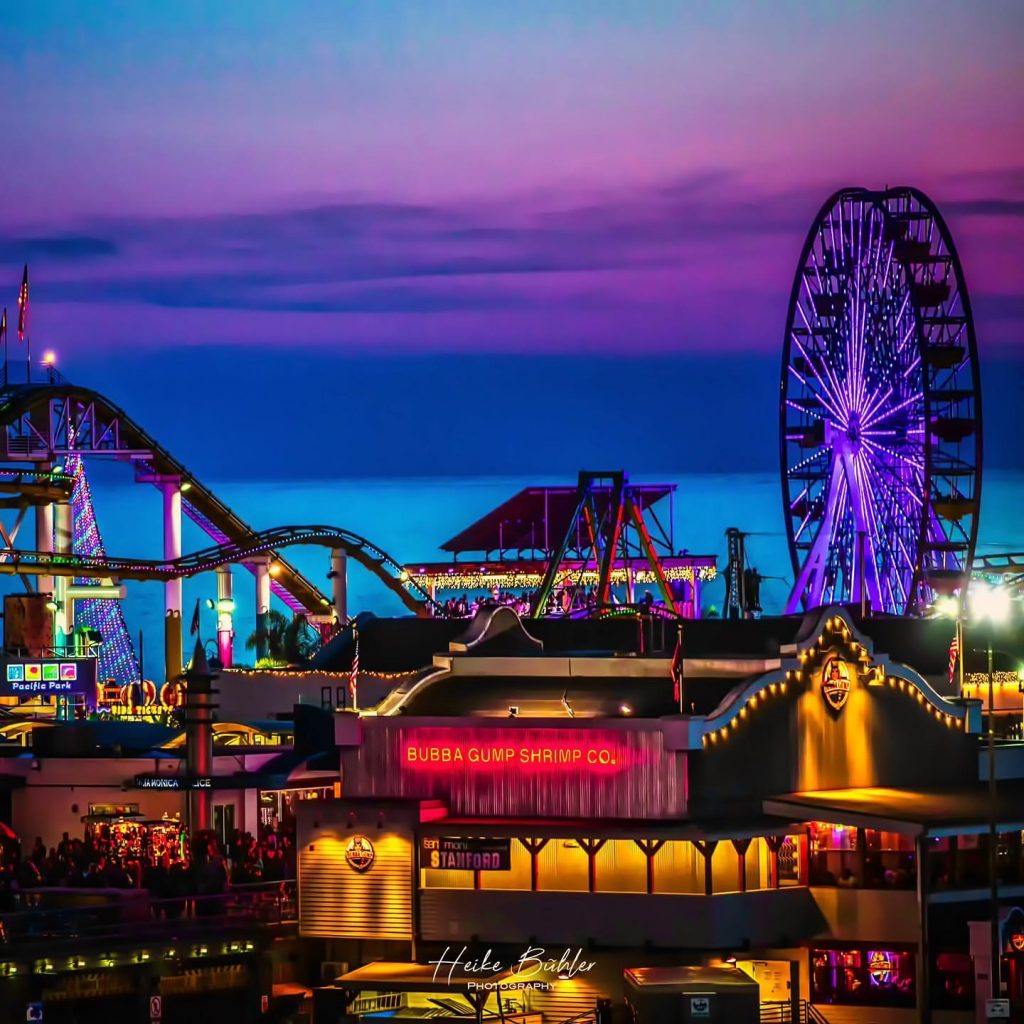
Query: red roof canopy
536	519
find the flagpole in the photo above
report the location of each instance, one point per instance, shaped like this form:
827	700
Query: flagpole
960	649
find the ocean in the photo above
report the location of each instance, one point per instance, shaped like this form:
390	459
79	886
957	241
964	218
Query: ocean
410	517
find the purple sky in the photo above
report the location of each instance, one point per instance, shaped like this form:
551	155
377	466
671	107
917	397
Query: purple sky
508	177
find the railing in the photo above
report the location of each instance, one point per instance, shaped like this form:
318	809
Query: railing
782	1013
380	1003
133	914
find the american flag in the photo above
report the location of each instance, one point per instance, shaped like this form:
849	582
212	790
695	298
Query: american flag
23	305
954	653
353	677
677	670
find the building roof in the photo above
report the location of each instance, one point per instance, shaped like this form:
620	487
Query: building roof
910	811
536	519
695	980
547	696
391	976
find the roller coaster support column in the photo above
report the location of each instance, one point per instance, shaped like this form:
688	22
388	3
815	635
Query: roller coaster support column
64	618
225	611
339	584
261	570
44	539
171	488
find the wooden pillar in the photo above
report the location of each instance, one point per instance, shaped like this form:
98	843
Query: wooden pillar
741	846
591	847
706	848
924	953
774	845
533	847
862	856
803	862
649	848
955	866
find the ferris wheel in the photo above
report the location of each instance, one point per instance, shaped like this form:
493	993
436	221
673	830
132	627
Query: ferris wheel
880	415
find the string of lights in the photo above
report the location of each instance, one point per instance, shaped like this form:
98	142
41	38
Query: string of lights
837	637
117	658
489	579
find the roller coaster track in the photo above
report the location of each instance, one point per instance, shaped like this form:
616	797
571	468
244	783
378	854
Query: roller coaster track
999	565
265	542
1009	568
44	423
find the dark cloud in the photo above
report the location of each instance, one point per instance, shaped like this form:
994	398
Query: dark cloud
388	257
987	207
57	248
999	306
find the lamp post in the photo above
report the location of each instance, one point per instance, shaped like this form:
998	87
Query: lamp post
994	969
992	605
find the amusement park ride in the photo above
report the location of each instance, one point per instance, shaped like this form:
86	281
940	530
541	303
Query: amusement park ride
880	437
880	408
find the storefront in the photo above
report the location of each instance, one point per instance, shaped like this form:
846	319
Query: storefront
809	812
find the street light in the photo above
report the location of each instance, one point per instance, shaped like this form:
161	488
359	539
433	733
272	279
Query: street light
993	605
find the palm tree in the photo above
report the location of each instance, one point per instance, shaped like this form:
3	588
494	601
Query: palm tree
286	642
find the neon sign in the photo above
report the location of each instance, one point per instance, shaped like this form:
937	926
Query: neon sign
835	683
1017	942
497	750
880	968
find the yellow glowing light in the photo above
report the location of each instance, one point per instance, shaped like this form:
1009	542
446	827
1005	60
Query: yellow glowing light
49	358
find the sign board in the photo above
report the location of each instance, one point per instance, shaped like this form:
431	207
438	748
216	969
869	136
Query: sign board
360	854
34	1012
700	1006
156	1007
456	854
35	677
174	782
835	683
997	1009
497	751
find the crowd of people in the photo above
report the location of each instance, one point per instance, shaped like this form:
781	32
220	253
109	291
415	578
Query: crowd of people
207	868
563	601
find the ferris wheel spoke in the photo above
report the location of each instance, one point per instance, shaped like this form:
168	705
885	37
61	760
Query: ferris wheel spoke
879	492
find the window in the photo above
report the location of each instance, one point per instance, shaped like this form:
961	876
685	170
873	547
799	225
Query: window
863	977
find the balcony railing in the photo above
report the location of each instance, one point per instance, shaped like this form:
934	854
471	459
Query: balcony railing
131	914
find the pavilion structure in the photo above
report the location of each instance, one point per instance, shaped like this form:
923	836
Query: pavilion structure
595	548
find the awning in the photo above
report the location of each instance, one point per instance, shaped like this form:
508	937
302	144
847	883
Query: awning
387	976
609	828
915	812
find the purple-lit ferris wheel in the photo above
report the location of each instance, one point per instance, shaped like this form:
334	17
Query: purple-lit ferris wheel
880	407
